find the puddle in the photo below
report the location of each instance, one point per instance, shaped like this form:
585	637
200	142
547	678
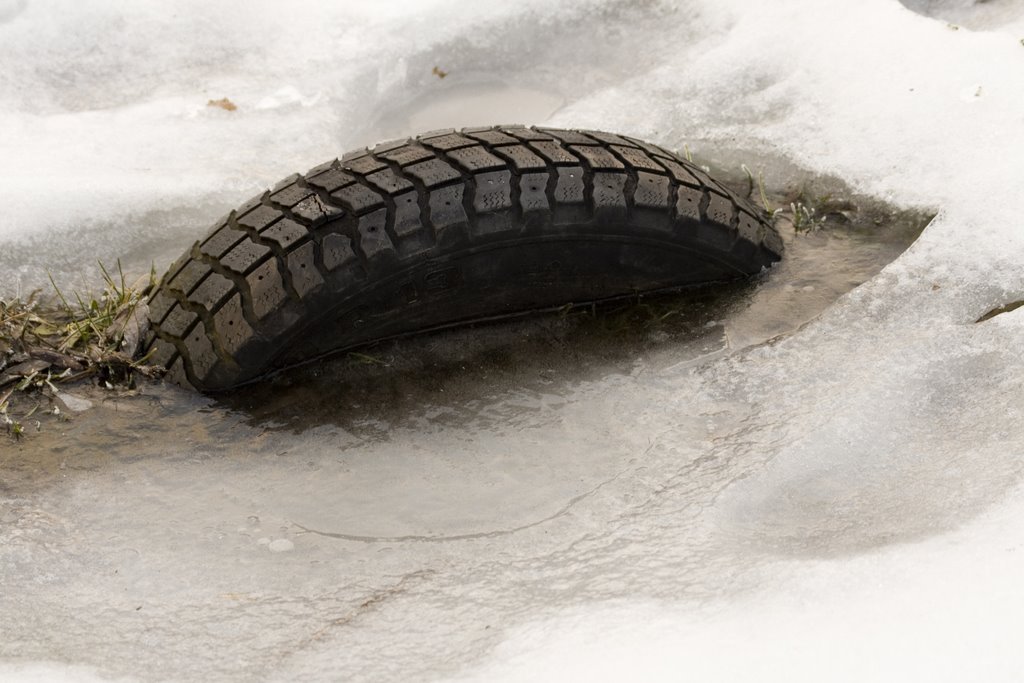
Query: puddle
518	367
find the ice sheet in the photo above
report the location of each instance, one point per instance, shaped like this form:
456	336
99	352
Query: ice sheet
843	503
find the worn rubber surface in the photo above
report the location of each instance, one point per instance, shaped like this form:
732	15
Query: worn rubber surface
449	227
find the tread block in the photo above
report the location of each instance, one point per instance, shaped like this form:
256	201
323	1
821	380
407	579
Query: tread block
408	154
703	178
721	189
652	203
598	158
176	374
337	251
527	134
259	218
354	154
244	256
533	196
388	145
569	189
201	355
302	265
637	159
159	304
285	232
569	137
570	196
389	182
266	288
358	198
522	159
554	153
610	197
609	138
436	133
407	215
448	216
212	291
312	209
290	195
161	353
331	180
721	210
188	277
433	173
447	142
680	173
373	239
493	192
749	227
178	322
688	203
220	242
474	159
492	137
493	202
231	326
651	149
363	164
652	191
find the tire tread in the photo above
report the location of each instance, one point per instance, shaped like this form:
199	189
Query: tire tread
363	217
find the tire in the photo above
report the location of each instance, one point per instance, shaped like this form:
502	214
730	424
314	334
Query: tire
446	228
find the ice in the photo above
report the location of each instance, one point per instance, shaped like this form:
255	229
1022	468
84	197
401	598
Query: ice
843	502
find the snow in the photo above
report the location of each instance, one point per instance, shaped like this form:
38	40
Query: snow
843	503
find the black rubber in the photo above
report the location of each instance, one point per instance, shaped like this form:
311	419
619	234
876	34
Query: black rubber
449	227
